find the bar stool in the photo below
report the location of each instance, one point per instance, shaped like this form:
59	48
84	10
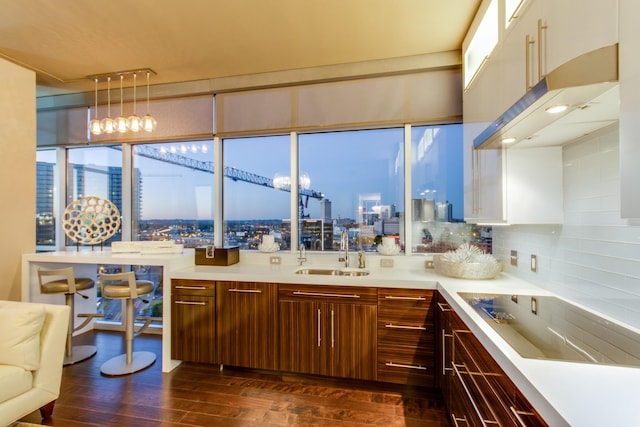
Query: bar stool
63	280
125	286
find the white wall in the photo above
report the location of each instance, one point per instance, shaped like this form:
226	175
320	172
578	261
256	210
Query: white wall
594	257
17	173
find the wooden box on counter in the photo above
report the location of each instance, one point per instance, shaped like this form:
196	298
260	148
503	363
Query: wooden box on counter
211	255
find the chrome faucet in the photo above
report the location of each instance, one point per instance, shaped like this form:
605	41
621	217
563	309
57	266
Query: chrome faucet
302	255
344	246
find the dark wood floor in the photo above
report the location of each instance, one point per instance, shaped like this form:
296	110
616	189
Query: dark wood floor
202	395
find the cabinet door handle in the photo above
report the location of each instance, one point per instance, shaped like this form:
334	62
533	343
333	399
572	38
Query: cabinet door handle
528	41
407	366
444	307
245	291
322	294
401	298
332	329
444	349
541	29
516	413
191	302
413	328
468	393
318	327
456	419
191	288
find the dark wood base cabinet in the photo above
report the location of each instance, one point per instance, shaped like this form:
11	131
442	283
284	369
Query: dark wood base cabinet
476	390
247	324
193	321
328	330
406	346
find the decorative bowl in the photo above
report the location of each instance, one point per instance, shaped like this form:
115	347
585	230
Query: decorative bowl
388	250
269	248
467	270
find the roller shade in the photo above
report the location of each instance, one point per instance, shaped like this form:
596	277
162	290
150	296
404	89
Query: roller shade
178	119
421	97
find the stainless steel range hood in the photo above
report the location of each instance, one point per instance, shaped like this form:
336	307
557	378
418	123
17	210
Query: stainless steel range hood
588	85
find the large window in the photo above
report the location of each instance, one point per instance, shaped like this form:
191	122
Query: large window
95	171
360	175
256	190
46	172
172	192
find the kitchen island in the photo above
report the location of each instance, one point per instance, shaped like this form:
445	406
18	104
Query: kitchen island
564	393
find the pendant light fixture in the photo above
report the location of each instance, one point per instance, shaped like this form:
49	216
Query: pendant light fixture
108	125
121	121
94	124
121	124
148	122
134	123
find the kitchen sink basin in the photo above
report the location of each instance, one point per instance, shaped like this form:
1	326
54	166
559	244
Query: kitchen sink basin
332	272
547	327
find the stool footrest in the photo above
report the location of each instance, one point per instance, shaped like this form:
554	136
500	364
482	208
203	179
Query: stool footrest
88	318
147	321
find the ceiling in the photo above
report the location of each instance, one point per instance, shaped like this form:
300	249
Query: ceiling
65	41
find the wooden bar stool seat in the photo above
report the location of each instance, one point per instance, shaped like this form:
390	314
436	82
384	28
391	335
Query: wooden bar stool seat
63	281
125	286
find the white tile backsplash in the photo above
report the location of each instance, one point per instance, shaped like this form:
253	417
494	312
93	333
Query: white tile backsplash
592	258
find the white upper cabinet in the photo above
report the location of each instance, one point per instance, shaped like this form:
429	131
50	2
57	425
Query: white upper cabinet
571	28
629	108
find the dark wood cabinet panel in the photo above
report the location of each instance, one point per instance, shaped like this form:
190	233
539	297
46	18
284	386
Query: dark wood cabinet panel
247	324
193	321
477	391
406	345
328	330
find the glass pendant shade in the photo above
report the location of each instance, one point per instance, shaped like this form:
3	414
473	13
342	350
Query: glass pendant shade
94	124
108	125
134	123
121	121
94	127
149	123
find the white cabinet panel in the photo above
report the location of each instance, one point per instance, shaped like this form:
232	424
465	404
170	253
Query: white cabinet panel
629	108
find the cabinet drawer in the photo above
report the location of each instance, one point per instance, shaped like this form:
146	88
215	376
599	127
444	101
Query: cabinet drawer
330	294
406	298
403	365
192	287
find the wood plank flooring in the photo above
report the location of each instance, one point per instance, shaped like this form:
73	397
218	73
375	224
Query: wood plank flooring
202	395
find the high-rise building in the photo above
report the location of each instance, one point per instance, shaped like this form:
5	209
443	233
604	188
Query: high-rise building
325	210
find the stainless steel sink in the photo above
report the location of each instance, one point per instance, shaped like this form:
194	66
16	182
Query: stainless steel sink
332	272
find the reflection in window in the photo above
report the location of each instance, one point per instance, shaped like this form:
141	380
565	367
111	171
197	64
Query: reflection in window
360	175
437	191
46	169
256	190
95	171
173	192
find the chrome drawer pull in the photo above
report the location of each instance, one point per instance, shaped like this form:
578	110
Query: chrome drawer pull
402	365
322	294
191	302
405	298
245	291
413	328
192	288
456	419
468	393
444	307
517	414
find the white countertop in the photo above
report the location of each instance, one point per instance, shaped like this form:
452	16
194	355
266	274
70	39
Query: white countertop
565	393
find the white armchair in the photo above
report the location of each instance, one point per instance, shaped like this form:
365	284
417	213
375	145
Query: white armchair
32	341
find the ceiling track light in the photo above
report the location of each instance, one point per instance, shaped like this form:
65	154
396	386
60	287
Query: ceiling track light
121	124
